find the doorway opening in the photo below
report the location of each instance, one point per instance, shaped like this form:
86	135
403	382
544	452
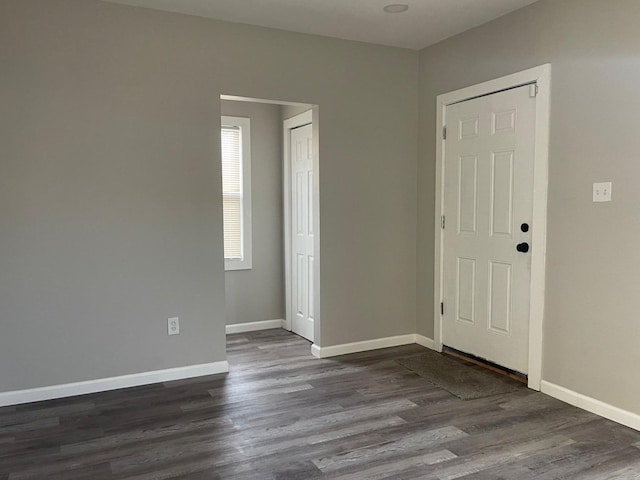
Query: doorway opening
270	163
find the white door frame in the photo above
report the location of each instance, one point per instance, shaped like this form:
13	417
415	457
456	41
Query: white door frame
541	76
310	116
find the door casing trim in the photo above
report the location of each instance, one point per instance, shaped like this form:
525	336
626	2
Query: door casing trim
541	76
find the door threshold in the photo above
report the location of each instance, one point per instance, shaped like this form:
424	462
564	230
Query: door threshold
467	357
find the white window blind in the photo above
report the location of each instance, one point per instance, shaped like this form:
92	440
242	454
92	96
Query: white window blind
232	192
236	192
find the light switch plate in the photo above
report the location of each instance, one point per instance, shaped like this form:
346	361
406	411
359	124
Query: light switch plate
602	192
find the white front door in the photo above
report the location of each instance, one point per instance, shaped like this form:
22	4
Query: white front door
302	231
488	206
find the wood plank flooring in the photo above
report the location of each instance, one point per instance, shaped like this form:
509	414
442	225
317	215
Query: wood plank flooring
281	414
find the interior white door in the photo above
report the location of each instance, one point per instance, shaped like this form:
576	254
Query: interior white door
302	262
488	206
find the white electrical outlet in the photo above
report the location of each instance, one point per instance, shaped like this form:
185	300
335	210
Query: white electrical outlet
173	326
602	192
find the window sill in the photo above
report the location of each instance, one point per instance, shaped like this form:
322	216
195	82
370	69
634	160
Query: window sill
233	265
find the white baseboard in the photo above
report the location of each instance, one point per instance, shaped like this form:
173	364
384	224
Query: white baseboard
592	405
345	348
254	326
426	342
112	383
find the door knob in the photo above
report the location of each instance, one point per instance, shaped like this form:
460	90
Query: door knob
522	247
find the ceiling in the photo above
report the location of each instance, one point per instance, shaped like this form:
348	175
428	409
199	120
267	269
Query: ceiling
425	23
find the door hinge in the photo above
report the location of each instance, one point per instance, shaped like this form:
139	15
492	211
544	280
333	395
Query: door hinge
444	132
533	90
441	308
442	222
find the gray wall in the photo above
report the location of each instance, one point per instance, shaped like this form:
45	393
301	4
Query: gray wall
289	111
591	329
110	190
258	294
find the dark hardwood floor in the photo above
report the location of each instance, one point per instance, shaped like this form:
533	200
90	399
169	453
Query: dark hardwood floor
281	414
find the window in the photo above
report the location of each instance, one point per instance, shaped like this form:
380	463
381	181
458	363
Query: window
236	192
